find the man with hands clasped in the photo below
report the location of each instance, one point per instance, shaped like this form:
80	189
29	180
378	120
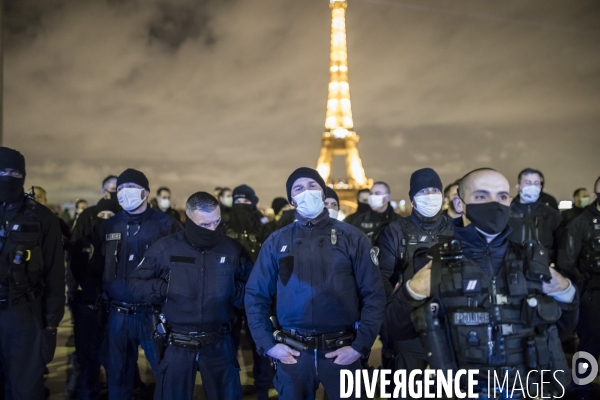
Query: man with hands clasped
328	293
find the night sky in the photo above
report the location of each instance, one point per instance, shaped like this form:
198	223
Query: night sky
204	93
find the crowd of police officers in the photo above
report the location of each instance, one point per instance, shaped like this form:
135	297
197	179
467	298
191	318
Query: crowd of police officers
488	282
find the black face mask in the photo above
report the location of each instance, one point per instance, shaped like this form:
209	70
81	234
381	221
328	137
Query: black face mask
10	189
243	207
201	237
113	196
491	218
363	207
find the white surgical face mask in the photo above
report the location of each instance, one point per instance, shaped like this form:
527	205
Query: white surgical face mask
530	193
429	205
164	204
130	198
585	201
333	213
309	203
228	201
376	200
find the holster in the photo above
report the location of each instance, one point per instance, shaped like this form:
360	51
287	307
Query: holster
430	321
159	338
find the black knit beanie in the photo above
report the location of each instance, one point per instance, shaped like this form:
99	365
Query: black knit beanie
424	178
303	172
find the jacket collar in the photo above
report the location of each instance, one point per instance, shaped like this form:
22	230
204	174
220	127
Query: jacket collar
429	224
470	237
137	218
593	208
319	222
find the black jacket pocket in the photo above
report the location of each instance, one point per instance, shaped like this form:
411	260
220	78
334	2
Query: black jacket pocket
286	268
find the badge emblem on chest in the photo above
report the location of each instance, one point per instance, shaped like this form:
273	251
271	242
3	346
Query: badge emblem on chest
333	237
375	255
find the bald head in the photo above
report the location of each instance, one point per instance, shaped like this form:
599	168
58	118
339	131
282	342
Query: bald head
484	186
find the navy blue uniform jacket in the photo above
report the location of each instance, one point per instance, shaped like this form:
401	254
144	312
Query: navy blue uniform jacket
323	278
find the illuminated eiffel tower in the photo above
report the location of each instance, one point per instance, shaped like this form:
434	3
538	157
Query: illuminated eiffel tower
339	139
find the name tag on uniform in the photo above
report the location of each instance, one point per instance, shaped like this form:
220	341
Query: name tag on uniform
113	236
367	225
471	318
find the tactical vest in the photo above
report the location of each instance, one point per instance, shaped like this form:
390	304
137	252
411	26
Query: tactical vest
415	237
21	259
503	323
247	240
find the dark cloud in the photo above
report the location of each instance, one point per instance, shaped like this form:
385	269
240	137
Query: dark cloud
205	93
23	20
177	22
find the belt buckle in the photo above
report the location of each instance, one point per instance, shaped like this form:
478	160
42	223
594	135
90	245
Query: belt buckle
122	310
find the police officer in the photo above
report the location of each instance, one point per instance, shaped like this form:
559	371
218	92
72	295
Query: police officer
581	199
162	202
125	238
327	290
32	281
579	256
86	222
398	243
225	202
332	203
87	265
449	195
530	219
198	277
279	205
362	206
381	213
245	226
485	302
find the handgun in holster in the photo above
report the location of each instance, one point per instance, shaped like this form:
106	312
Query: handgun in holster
430	321
160	334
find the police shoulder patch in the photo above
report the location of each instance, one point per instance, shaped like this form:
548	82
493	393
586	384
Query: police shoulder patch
375	255
113	236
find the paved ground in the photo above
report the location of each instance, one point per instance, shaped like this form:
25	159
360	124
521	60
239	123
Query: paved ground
60	368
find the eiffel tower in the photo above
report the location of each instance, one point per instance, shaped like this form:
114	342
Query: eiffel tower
339	139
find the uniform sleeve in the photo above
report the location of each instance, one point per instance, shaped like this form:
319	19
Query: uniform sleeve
81	227
54	272
388	245
148	282
398	315
569	316
569	249
556	232
241	278
260	289
372	296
